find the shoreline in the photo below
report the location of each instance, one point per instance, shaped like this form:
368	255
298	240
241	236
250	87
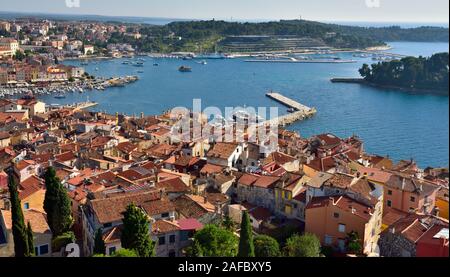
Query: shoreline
361	81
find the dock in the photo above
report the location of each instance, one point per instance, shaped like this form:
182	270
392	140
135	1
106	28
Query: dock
302	112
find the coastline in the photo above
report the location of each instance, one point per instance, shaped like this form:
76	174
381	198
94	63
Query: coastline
361	81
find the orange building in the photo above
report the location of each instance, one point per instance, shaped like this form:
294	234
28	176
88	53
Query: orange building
333	218
410	195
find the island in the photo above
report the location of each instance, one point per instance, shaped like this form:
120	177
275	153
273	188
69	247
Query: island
417	74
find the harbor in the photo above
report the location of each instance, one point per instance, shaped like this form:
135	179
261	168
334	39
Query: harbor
60	89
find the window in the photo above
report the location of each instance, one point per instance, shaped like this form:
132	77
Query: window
336	215
389	192
26	206
328	240
41	250
413	199
389	203
111	250
341	228
107	225
165	215
161	240
172	239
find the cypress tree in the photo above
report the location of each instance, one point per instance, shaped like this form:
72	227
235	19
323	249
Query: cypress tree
246	247
135	233
19	230
50	194
57	204
30	239
99	243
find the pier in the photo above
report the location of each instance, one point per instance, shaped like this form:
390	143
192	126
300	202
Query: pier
75	106
301	112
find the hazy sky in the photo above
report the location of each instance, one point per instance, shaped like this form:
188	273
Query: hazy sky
325	10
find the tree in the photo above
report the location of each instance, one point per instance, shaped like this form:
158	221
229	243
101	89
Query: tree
135	233
125	253
99	243
30	239
228	223
57	204
266	247
20	234
353	243
307	245
19	55
246	247
214	241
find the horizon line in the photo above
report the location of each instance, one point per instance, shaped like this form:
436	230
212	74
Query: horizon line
225	19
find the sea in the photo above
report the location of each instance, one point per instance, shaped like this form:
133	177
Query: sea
401	125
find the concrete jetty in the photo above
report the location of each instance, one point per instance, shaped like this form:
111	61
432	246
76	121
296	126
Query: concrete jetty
301	111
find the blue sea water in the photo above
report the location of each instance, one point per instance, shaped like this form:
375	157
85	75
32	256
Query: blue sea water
399	124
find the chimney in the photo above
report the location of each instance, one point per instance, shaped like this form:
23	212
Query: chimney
403	183
142	115
393	230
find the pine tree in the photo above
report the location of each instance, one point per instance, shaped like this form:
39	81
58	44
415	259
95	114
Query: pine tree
99	243
57	204
30	239
19	230
246	247
135	233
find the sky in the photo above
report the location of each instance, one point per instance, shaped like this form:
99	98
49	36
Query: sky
321	10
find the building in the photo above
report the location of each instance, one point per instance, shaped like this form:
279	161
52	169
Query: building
416	236
225	154
42	235
10	43
410	194
106	212
442	202
333	218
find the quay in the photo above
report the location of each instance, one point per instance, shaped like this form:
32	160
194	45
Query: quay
301	112
300	61
348	80
75	106
289	102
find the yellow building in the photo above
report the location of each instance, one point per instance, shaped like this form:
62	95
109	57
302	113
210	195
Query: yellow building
442	203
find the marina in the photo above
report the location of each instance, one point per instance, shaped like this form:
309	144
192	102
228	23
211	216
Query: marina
342	109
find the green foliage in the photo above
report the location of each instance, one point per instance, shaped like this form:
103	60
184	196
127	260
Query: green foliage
122	253
57	204
266	247
62	240
307	245
246	247
214	241
19	55
125	253
30	239
327	251
99	243
228	223
418	73
19	230
135	233
353	243
71	79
